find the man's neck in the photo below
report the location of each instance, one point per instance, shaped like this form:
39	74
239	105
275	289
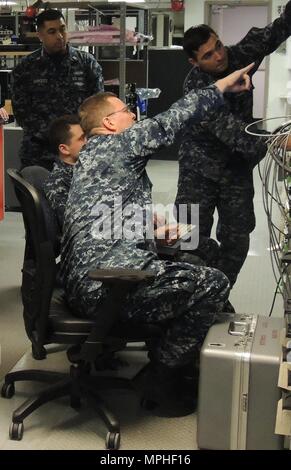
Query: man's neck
68	159
55	55
100	131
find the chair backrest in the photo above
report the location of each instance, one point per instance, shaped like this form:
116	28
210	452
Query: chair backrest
39	266
36	176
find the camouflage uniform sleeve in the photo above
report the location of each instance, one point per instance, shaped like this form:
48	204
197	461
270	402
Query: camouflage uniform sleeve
95	76
260	42
230	130
147	136
20	97
57	196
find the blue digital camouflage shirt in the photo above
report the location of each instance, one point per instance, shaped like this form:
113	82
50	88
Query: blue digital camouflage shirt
56	188
209	147
111	171
45	87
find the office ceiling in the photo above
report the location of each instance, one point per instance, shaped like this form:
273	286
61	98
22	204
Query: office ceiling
153	4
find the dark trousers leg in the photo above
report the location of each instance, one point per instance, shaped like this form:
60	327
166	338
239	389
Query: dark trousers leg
233	198
203	193
236	222
232	254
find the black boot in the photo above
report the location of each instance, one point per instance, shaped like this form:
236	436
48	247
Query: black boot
190	372
228	307
167	393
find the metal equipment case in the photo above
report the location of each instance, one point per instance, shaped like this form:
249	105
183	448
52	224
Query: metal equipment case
238	392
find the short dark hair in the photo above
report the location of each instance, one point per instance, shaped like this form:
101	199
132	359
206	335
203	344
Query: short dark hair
60	131
48	15
196	37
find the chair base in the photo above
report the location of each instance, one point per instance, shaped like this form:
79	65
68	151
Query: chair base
75	385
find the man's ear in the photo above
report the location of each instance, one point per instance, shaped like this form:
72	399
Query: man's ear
63	148
192	62
39	36
108	124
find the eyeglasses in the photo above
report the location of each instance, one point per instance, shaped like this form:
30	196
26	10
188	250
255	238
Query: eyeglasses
125	109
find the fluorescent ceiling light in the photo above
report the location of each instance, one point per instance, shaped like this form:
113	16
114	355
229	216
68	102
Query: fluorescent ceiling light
4	3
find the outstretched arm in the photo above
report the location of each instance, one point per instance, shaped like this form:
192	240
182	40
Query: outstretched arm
149	135
236	82
260	42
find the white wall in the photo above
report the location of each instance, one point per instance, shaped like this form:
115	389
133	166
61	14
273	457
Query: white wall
278	73
236	21
278	76
194	13
232	24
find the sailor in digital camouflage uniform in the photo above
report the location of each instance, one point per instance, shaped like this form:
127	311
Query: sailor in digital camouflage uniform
66	138
109	180
217	157
50	82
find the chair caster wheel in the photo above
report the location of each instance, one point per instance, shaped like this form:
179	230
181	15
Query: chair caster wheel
112	441
8	390
16	431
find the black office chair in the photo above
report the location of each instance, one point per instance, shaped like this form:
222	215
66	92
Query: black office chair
48	319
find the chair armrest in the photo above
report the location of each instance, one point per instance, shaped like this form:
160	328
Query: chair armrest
121	282
119	275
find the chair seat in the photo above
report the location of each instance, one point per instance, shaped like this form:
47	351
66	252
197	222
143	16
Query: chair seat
61	320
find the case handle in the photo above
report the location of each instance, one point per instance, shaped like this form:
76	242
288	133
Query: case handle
238	328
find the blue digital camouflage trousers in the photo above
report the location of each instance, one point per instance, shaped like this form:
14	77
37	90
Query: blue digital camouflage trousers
232	196
183	299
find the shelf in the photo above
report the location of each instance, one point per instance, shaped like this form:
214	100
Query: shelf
119	66
99	5
104	44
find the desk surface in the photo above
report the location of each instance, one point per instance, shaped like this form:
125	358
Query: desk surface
12	126
14	53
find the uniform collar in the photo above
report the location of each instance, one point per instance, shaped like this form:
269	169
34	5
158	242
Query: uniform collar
61	164
71	54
